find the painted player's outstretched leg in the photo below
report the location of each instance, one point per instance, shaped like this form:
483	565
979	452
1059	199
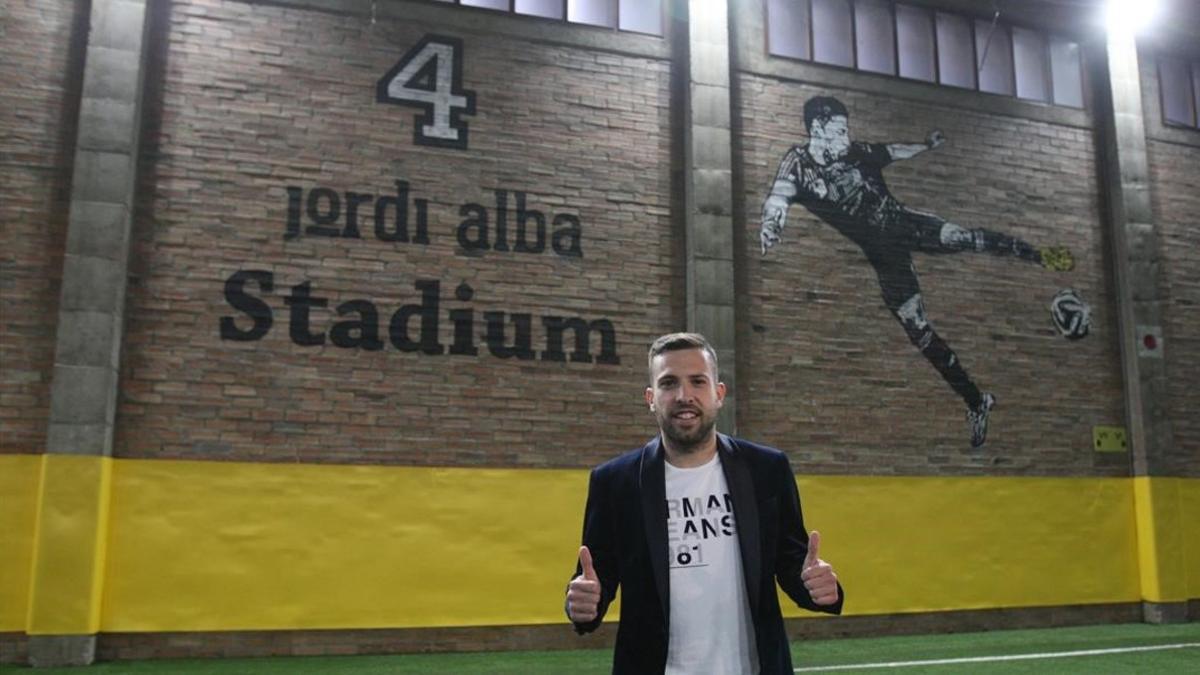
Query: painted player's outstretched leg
911	315
934	234
902	296
979	240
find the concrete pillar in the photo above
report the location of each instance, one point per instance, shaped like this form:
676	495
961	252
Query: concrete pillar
708	190
68	561
1139	304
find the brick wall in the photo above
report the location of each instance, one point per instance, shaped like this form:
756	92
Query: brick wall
246	101
1174	156
832	377
42	69
255	99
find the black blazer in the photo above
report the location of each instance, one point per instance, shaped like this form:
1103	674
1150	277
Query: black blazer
625	528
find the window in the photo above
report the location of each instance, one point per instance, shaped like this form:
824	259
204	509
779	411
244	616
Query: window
1178	82
955	46
788	28
994	58
638	16
914	37
833	33
641	16
894	38
1066	73
549	9
1030	61
593	12
875	36
486	4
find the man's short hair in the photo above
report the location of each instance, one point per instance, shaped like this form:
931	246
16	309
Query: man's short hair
822	109
679	341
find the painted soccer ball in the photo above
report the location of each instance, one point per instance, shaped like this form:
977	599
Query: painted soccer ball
1072	316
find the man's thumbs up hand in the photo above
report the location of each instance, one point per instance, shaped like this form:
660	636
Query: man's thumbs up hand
583	593
814	541
585	561
818	576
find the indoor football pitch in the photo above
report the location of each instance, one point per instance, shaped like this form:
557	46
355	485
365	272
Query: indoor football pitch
1132	648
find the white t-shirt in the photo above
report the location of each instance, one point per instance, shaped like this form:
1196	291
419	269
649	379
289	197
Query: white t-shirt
710	627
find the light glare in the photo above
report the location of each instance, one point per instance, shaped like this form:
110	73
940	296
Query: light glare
1130	16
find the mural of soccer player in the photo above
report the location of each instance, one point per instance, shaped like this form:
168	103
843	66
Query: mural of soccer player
841	182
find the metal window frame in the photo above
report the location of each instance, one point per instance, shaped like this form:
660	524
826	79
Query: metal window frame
615	4
1047	73
972	19
812	37
930	13
1191	69
970	29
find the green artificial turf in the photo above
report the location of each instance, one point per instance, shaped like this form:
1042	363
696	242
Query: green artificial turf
1001	643
501	663
806	654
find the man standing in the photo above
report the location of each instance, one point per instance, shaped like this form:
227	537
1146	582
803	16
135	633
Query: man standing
841	182
696	528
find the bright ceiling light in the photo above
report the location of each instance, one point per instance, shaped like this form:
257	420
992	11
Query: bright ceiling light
1130	15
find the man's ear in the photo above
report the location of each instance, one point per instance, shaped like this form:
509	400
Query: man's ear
650	397
720	394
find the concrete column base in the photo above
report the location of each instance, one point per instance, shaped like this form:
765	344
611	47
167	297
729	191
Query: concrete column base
49	651
1165	612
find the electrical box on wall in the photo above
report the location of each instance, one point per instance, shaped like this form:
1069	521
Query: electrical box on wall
1109	439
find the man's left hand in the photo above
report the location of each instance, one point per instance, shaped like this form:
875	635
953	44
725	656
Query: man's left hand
818	576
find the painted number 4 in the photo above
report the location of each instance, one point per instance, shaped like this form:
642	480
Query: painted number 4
429	77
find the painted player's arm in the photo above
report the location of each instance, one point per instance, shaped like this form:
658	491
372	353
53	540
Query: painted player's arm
934	140
595	583
808	580
774	212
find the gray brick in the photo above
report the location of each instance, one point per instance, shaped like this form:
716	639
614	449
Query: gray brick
47	651
713	189
711	236
716	322
709	25
709	64
92	284
118	24
83	395
79	439
710	148
112	74
88	339
710	105
102	177
106	125
99	229
714	281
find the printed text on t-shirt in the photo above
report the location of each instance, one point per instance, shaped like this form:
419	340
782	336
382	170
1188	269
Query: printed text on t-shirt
693	520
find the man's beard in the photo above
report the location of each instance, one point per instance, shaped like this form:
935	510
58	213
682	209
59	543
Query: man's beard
685	441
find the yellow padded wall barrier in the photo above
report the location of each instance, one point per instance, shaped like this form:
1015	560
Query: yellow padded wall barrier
1189	503
69	545
231	546
20	478
227	546
917	544
1168	532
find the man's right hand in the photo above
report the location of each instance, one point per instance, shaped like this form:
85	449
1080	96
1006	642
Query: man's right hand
774	213
583	593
